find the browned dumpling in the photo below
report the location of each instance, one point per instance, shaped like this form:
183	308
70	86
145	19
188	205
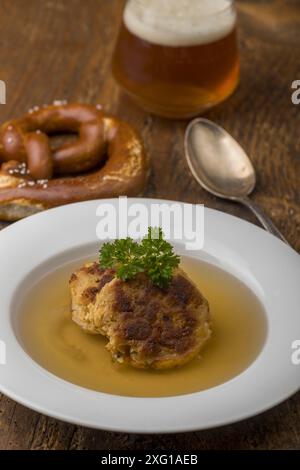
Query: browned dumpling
147	327
85	285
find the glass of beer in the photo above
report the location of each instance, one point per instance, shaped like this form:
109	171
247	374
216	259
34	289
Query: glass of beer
177	58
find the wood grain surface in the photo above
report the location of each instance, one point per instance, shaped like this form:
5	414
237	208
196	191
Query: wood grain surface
54	49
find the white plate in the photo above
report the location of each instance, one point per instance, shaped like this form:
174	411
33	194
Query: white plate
269	267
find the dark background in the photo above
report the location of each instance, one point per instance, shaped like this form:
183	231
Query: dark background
61	49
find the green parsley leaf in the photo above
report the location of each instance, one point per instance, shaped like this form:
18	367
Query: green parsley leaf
123	256
154	256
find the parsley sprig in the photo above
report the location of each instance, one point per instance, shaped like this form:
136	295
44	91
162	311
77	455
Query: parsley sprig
153	256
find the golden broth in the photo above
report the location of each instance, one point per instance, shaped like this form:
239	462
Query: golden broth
60	346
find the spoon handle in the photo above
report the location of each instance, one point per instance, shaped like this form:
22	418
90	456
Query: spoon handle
263	218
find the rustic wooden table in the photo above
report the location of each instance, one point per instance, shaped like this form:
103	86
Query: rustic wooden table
62	49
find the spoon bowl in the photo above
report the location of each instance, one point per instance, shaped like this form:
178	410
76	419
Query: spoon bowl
217	161
222	167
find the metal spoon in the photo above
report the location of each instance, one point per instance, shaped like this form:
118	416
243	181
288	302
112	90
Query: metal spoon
221	166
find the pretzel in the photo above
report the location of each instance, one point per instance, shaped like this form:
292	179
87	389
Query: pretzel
106	160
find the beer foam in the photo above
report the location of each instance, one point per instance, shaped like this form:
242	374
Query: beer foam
179	22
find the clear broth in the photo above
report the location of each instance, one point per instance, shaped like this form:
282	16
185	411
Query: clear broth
60	346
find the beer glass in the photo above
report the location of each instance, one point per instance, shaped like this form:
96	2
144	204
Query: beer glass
177	58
